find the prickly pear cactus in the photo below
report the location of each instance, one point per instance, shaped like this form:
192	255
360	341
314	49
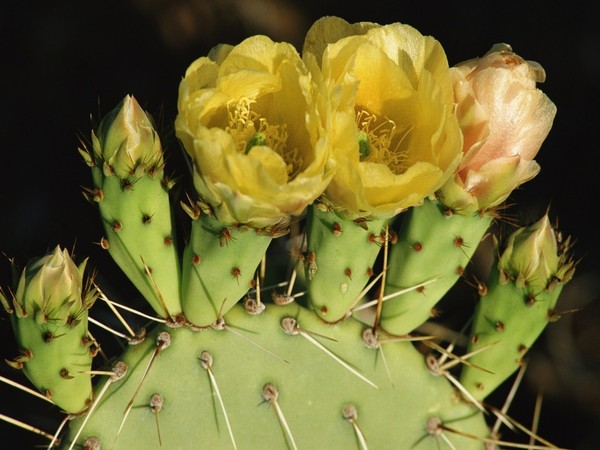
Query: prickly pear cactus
379	169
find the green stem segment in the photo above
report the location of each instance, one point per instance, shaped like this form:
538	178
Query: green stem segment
433	246
508	320
339	260
137	220
55	358
219	265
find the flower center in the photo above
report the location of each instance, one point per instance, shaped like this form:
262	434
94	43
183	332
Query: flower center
380	142
249	129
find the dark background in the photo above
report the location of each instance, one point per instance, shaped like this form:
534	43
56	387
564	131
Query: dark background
64	63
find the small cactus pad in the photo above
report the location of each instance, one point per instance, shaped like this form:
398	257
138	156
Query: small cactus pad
434	246
339	260
139	236
219	265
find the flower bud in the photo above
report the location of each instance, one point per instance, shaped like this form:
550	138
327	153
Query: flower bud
53	286
504	119
536	256
126	139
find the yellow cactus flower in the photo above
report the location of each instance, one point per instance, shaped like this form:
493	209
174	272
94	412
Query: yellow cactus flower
247	117
505	119
389	112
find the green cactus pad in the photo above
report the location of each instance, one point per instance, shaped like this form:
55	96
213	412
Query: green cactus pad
58	359
432	245
339	260
137	220
508	320
219	265
261	387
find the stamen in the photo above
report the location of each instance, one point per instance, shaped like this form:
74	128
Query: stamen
249	129
380	142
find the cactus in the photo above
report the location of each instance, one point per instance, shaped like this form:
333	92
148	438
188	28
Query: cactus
367	170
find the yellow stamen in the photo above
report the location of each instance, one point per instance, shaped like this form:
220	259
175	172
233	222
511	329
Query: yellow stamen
379	141
249	129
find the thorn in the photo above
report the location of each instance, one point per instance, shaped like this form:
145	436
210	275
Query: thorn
114	310
247	339
55	439
156	404
433	364
351	415
132	310
270	394
107	328
163	340
371	340
159	296
206	360
393	295
290	326
25	389
382	286
26	426
509	398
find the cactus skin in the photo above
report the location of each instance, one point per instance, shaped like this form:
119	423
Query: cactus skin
432	244
508	319
53	365
219	265
313	391
339	260
137	222
133	200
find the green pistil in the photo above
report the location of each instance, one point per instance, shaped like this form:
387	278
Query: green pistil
364	147
257	139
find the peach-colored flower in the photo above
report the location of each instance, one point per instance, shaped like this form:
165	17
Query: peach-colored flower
504	118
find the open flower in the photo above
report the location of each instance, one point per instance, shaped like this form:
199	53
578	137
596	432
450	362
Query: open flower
247	117
389	111
505	119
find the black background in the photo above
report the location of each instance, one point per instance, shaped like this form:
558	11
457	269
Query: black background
64	62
